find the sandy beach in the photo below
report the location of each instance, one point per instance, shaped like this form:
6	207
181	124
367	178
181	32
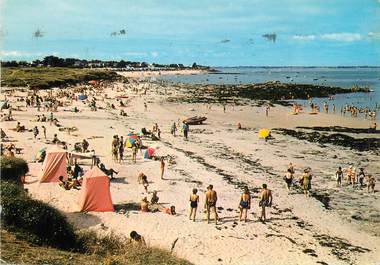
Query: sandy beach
334	226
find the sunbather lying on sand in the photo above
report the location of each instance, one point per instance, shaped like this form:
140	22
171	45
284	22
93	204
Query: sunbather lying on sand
68	185
108	172
137	239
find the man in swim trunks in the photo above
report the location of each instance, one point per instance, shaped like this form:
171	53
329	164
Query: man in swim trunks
245	203
194	200
210	203
265	201
339	176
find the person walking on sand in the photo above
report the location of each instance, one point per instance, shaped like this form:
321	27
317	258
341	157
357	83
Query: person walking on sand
144	182
265	201
44	130
267	111
35	132
173	129
210	203
339	176
162	165
194	200
245	203
185	128
306	181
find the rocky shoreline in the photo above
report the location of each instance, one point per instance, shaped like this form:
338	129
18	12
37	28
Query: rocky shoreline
273	91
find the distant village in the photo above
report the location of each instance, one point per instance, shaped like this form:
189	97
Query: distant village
54	61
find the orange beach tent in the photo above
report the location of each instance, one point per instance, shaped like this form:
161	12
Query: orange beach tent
95	192
54	165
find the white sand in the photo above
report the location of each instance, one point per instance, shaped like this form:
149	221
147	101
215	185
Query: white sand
295	222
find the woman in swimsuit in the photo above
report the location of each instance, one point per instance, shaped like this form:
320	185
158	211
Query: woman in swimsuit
288	178
194	200
245	203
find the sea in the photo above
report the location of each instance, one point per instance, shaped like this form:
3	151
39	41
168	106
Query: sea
345	77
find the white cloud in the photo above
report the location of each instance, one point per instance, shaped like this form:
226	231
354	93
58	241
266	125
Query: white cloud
345	37
13	54
304	37
154	54
135	53
375	35
348	37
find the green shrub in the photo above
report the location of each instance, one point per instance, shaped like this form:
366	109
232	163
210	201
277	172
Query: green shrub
10	190
13	168
41	223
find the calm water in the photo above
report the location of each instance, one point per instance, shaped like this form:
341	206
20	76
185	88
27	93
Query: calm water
342	77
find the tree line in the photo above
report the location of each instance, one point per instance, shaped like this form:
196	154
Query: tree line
54	61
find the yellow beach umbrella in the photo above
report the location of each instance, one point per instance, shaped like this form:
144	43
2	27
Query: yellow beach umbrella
264	133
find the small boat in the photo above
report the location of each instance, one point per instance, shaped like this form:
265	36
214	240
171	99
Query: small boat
195	120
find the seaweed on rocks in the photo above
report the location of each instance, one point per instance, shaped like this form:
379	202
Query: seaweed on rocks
342	129
358	144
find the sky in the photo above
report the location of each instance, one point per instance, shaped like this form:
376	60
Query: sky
213	32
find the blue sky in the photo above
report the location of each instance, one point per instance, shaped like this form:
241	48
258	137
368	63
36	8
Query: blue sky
217	33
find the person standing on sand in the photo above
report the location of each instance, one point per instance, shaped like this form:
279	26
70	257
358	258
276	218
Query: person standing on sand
194	200
371	183
361	177
121	150
353	177
185	128
267	111
245	203
162	165
265	201
291	168
306	181
288	179
145	106
339	176
35	132
44	130
173	129
115	145
134	152
348	174
210	203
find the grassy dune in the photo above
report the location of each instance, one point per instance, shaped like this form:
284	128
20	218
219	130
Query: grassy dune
16	250
47	77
